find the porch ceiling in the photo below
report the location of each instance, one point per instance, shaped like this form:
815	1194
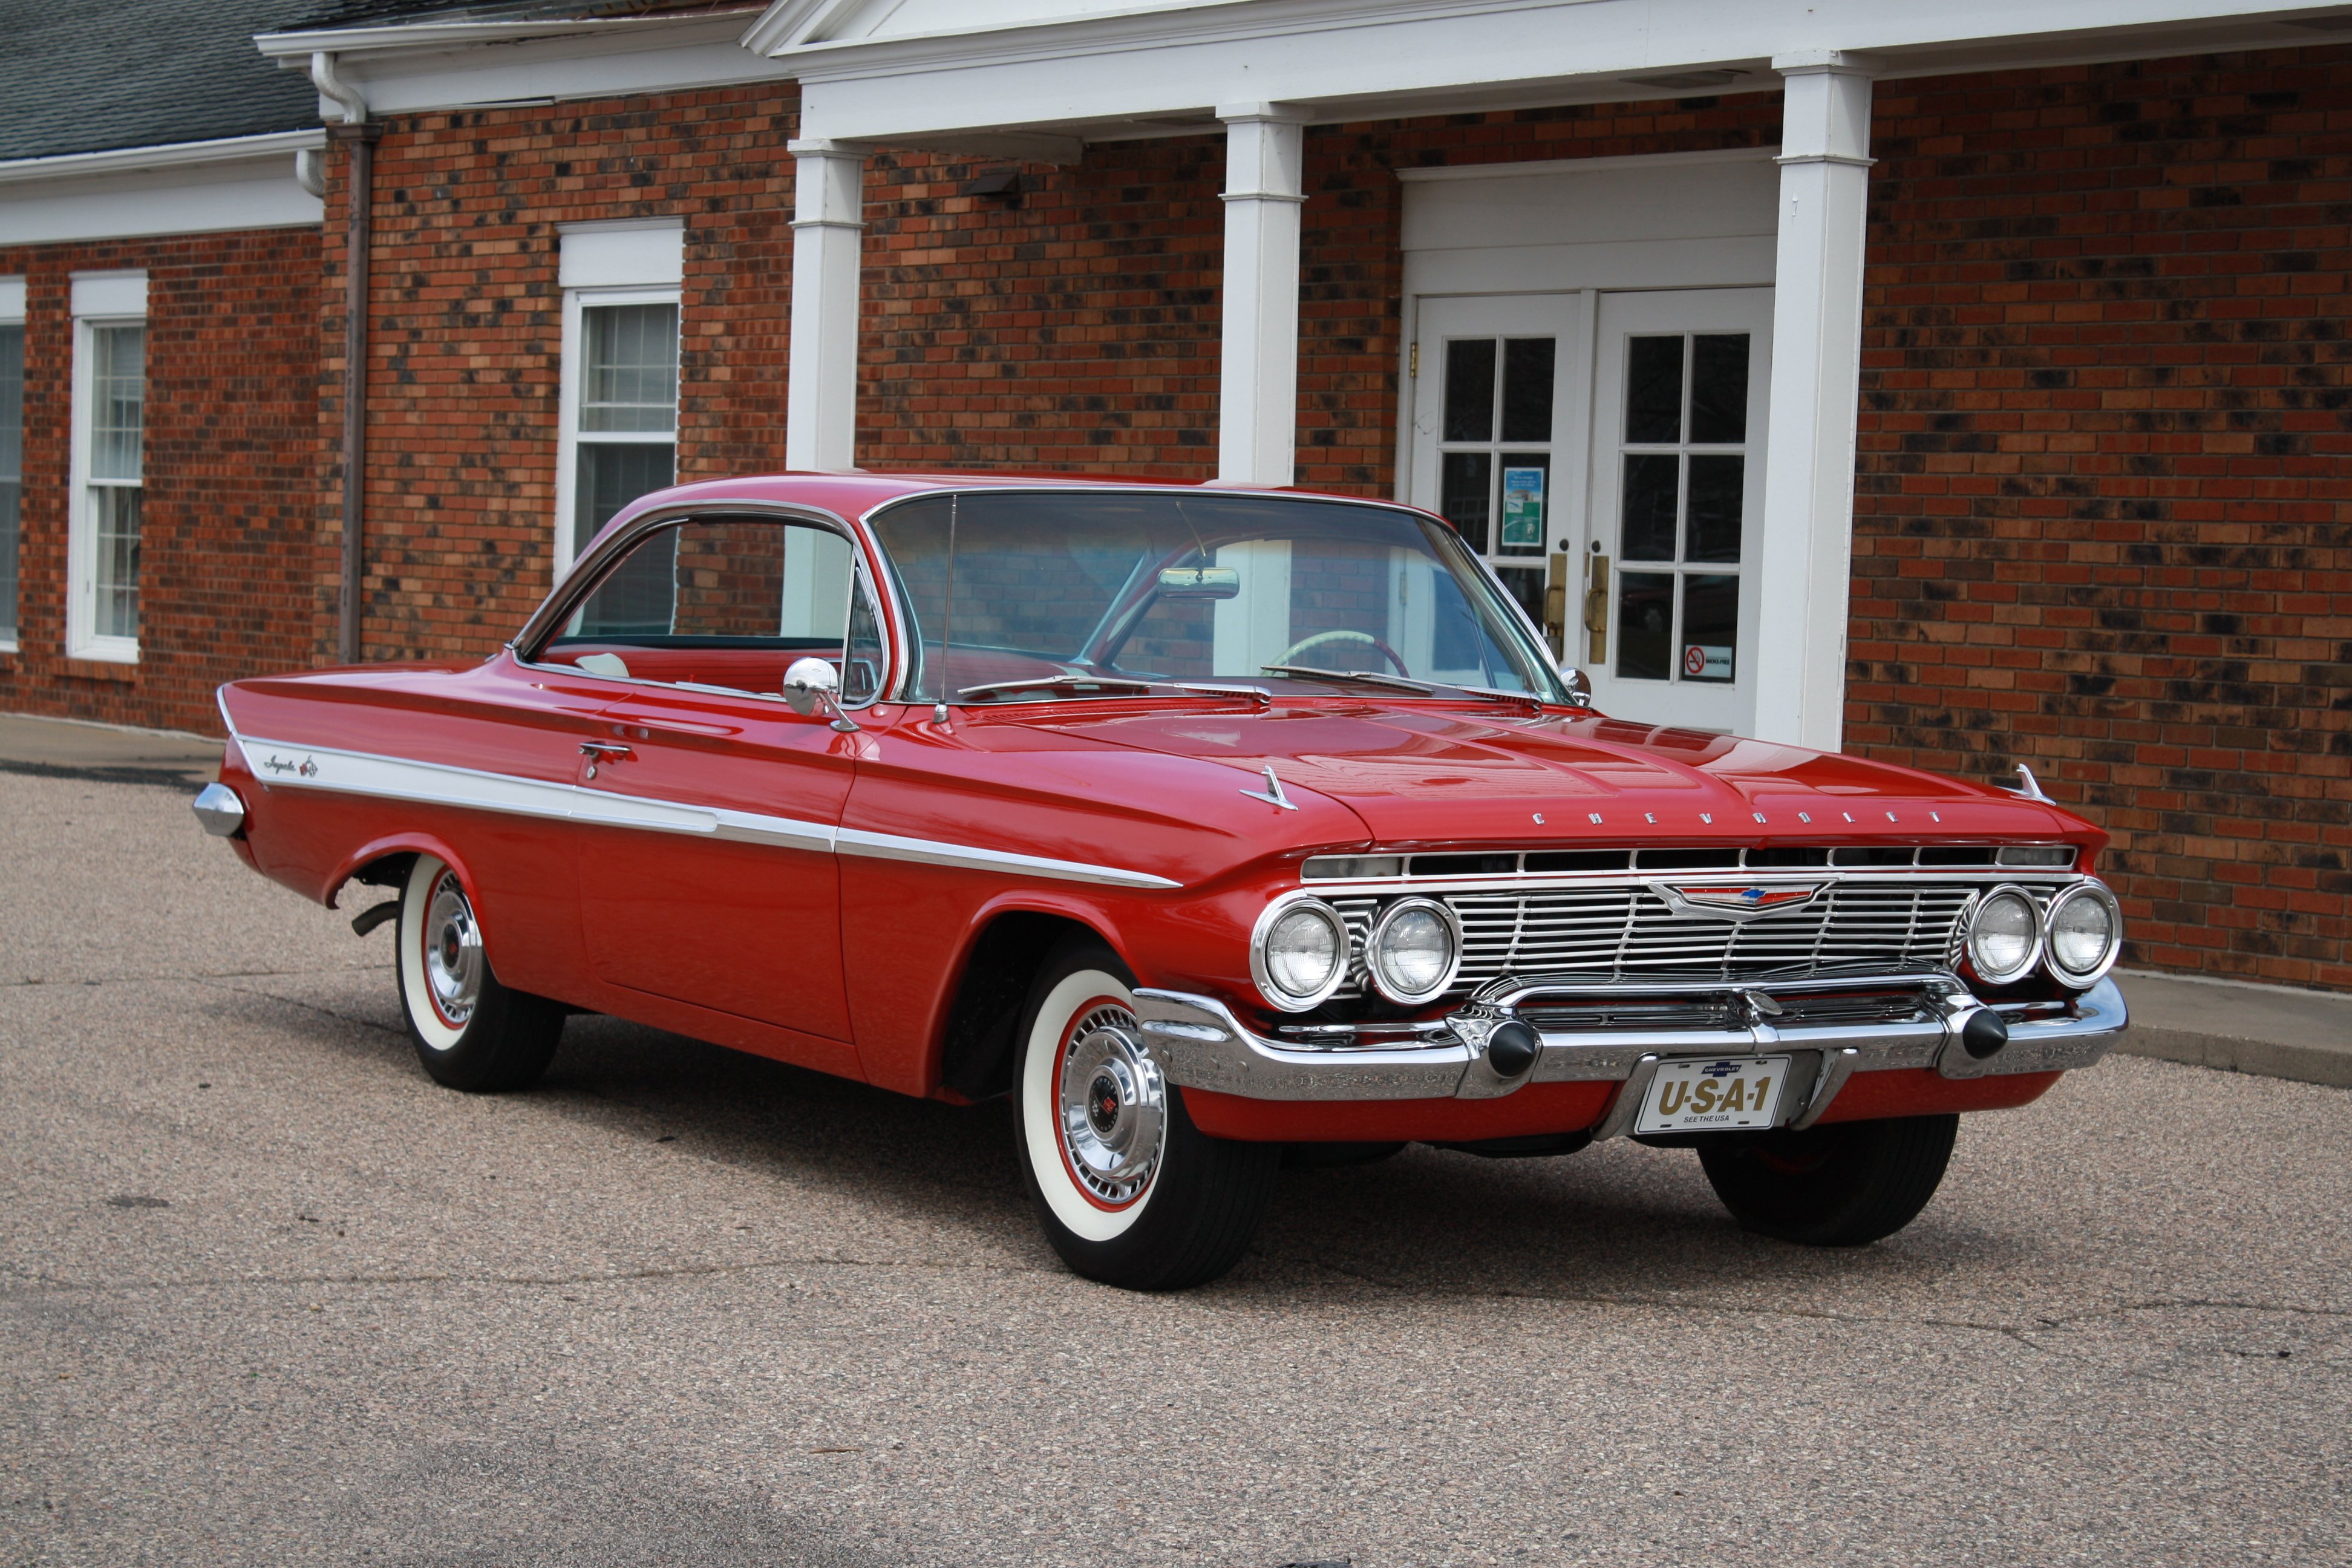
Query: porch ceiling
1077	72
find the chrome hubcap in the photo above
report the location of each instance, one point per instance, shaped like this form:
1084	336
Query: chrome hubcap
453	951
1114	1106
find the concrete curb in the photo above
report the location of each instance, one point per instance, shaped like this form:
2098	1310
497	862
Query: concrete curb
2263	1058
2270	1031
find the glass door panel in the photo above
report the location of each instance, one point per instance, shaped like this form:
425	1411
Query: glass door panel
1496	398
1681	384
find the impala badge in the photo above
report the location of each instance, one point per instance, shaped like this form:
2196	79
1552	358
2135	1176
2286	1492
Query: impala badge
1722	903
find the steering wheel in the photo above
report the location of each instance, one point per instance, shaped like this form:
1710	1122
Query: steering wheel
1344	634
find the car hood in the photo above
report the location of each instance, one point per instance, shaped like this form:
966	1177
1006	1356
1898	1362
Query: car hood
1429	776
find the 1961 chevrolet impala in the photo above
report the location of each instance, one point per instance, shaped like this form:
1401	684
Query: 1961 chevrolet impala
1206	824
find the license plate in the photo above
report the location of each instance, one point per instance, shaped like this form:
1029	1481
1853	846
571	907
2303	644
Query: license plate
1701	1096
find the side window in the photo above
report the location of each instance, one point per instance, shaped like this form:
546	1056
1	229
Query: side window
620	418
726	602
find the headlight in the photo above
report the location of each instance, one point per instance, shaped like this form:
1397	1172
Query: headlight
1299	954
2085	932
2004	936
1413	951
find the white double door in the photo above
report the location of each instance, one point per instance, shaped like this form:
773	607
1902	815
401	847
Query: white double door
1609	446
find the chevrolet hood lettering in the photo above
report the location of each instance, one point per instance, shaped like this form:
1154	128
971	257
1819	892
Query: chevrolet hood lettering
1718	902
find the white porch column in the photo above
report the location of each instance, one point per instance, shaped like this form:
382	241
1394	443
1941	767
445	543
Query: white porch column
828	226
1257	398
1807	559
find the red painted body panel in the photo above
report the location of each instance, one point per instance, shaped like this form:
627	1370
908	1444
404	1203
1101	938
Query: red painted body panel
1922	1091
848	962
748	929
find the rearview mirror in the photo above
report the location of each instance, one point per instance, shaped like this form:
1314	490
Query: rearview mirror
1199	583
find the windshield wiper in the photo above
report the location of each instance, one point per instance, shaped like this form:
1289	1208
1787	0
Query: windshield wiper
1405	683
1057	683
1401	682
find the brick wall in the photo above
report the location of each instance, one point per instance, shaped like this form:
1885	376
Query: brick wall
231	474
466	339
1079	329
2104	483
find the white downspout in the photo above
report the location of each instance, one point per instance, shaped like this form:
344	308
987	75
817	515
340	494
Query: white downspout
349	106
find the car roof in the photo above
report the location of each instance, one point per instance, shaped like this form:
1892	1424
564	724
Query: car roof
857	494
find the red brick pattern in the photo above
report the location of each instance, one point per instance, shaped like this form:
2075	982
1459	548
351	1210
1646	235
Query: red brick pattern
1078	330
466	339
231	475
2104	480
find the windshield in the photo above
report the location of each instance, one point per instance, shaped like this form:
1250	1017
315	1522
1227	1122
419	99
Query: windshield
1008	587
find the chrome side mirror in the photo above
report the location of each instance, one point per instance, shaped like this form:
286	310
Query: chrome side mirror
1579	686
811	686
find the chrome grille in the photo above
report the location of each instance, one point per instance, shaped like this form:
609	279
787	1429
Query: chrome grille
1616	931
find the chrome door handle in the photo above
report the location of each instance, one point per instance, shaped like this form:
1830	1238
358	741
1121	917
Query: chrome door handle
601	752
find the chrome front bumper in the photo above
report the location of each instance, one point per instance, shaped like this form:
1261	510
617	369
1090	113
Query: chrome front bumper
1200	1043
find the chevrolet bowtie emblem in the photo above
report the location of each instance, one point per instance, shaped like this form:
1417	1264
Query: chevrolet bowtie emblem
1716	901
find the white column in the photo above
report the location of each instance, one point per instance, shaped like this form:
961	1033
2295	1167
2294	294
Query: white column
1807	558
1257	397
828	226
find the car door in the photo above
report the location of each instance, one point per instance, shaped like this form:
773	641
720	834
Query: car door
719	887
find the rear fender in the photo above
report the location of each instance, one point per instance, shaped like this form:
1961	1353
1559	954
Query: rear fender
406	842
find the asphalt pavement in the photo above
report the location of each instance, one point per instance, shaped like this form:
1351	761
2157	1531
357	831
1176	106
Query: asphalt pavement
267	1295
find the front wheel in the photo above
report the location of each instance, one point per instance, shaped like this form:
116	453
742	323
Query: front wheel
470	1032
1130	1192
1842	1185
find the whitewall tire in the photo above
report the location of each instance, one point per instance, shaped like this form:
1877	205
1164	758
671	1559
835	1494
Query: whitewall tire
470	1032
1128	1191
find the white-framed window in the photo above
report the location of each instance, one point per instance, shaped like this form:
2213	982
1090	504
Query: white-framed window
618	439
12	450
110	449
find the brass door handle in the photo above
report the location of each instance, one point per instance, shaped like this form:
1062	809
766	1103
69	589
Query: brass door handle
1596	611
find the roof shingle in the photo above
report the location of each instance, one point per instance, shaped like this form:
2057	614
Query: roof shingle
89	76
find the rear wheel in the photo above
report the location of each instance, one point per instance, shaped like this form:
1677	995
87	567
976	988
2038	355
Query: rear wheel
470	1032
1130	1192
1842	1186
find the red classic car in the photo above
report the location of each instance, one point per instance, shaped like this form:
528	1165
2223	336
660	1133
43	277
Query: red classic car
1207	824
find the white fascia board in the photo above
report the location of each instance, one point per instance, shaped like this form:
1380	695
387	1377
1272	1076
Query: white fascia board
129	201
552	68
172	155
1359	59
406	38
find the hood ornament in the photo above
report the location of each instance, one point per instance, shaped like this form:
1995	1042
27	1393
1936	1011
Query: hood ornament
2029	788
1272	793
1718	902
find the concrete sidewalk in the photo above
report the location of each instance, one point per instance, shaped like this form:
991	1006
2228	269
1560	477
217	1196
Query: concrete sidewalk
2268	1030
114	752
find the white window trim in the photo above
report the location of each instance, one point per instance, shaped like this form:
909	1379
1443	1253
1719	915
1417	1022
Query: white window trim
12	315
567	442
81	528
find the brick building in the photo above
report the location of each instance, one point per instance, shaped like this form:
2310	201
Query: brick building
159	320
1959	384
